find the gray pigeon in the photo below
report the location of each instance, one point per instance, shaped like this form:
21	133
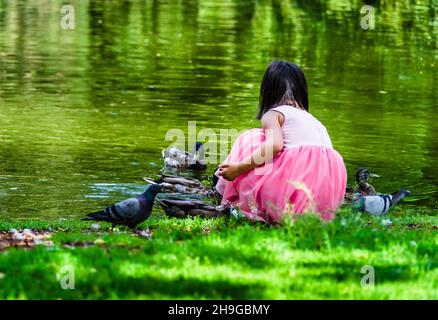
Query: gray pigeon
378	204
129	212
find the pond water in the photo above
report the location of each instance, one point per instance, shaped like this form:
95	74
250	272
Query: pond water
84	112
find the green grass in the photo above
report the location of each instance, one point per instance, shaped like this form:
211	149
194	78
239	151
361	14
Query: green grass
225	258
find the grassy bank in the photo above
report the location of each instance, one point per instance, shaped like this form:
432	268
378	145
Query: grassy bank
225	258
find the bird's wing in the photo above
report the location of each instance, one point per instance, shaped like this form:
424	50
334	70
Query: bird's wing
149	180
182	181
188	204
127	209
377	205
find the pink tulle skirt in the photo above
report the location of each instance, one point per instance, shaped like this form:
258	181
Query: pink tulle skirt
298	180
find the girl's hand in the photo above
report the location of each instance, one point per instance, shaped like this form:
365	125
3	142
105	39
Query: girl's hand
229	170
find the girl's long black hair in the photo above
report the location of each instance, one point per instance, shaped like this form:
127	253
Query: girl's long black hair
284	83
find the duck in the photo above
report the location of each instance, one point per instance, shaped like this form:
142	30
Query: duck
176	158
177	184
363	177
378	204
181	208
129	212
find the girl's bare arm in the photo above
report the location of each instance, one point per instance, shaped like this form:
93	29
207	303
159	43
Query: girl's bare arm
271	124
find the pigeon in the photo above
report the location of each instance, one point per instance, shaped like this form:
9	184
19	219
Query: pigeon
180	208
129	212
377	204
176	158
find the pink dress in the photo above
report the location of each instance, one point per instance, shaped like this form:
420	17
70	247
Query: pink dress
308	175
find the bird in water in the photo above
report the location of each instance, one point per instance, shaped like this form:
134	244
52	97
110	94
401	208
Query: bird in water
129	212
179	159
377	204
363	177
180	208
176	184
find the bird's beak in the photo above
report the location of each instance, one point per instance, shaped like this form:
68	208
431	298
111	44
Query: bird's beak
373	175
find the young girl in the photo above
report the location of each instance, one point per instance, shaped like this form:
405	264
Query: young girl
288	166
